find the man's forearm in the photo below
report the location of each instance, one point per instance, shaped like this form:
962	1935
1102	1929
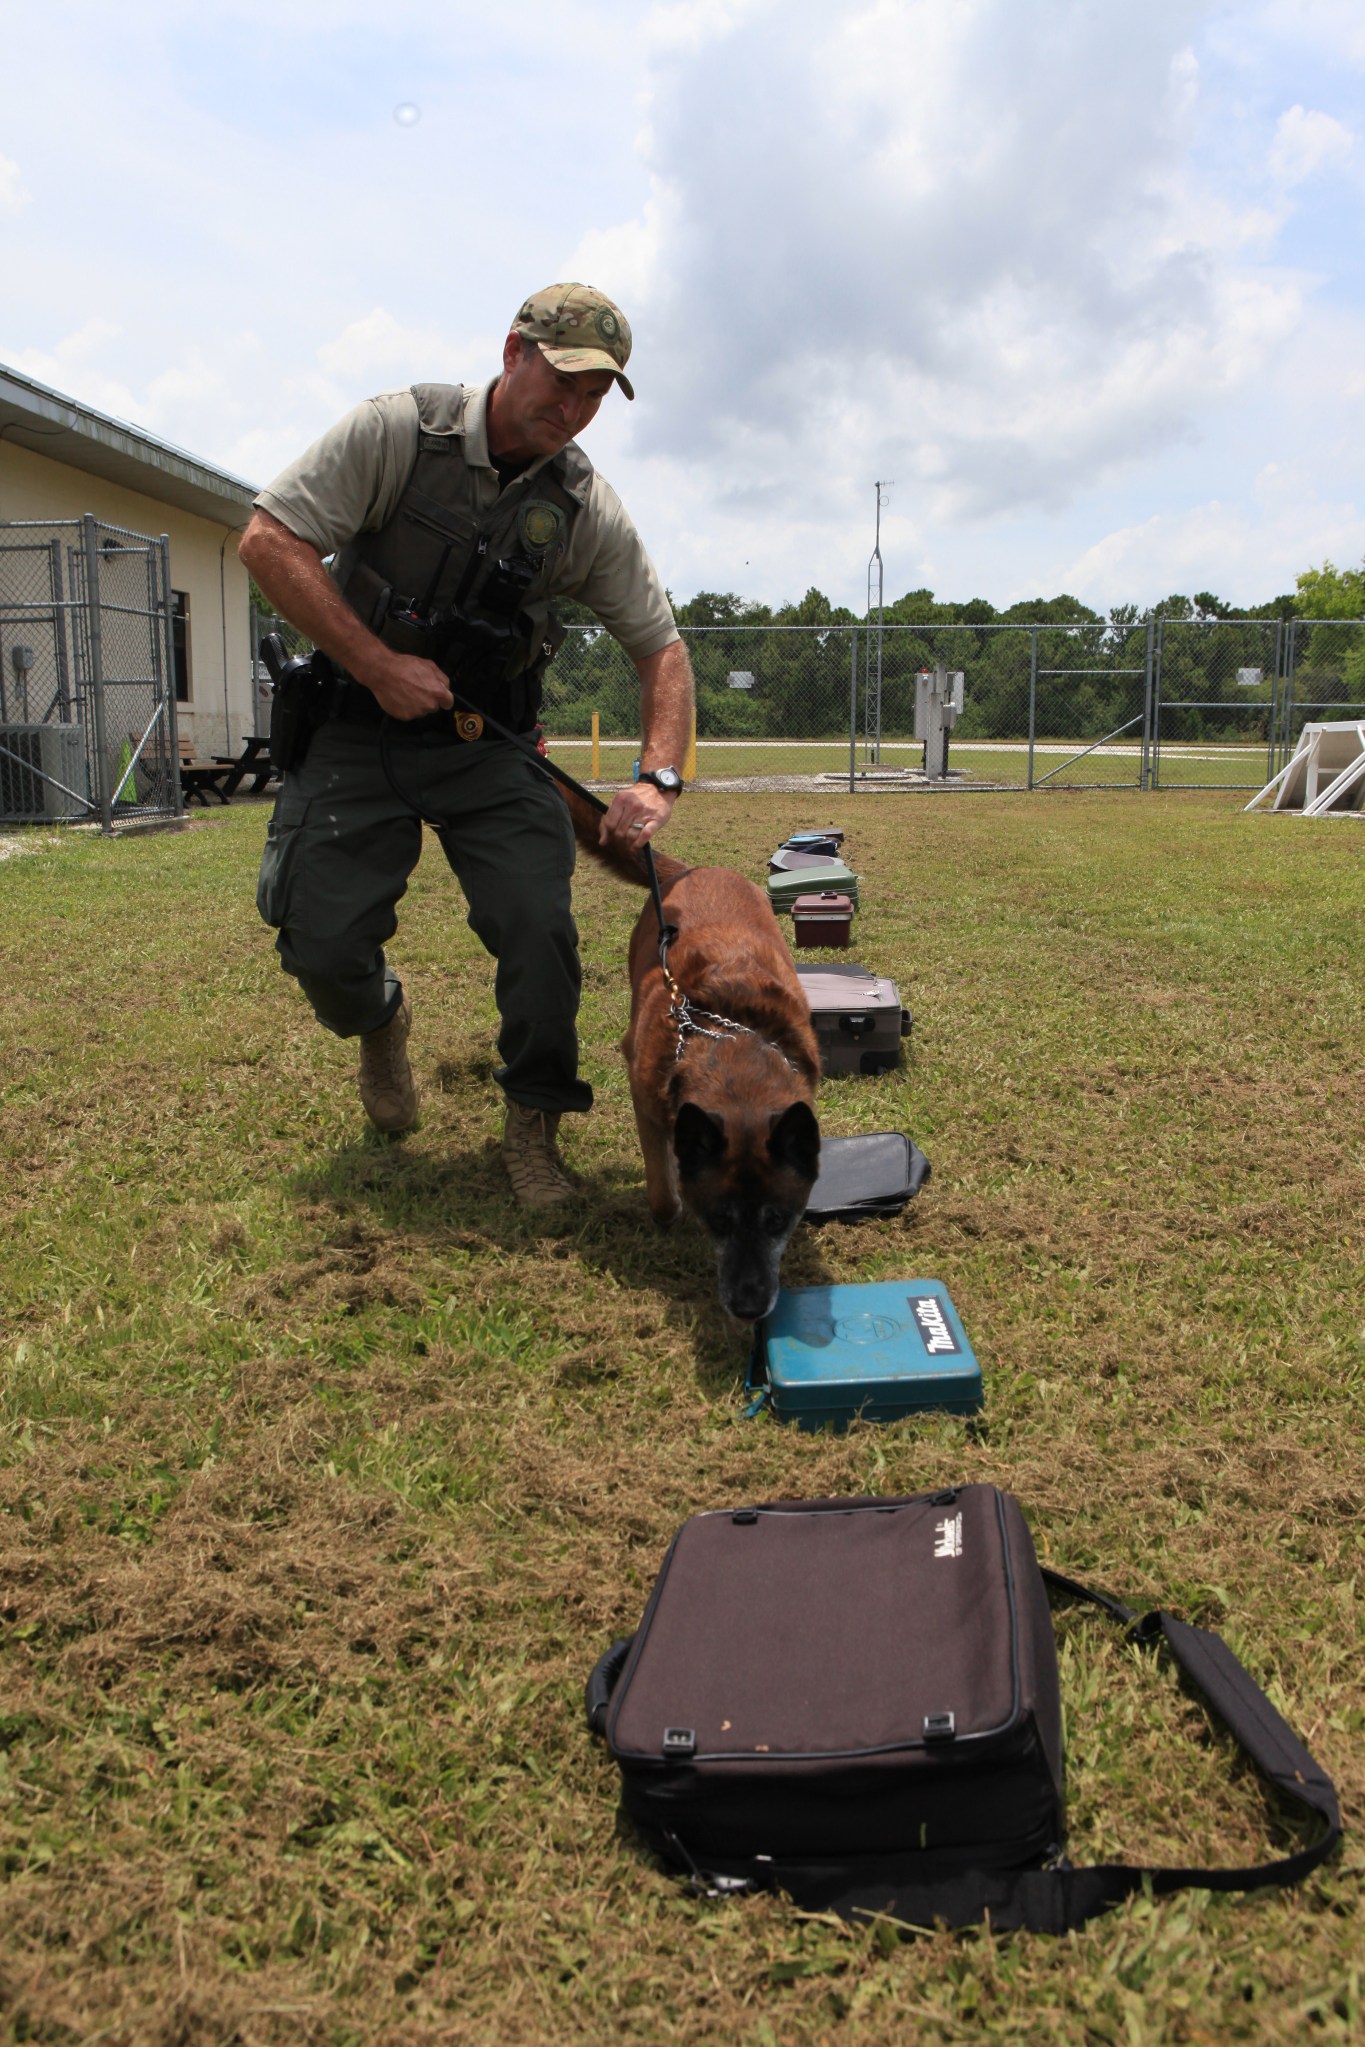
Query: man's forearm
291	574
667	699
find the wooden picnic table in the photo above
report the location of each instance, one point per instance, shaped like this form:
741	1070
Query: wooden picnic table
253	760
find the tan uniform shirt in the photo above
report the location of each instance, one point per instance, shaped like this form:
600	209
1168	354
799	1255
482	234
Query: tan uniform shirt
350	481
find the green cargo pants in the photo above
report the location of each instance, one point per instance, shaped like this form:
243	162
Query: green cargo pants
342	844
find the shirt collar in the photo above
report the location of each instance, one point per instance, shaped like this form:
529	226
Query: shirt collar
476	432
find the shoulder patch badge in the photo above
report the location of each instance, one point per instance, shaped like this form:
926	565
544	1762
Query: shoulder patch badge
540	524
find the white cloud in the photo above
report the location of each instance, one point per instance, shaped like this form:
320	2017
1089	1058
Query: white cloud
76	366
1054	268
1306	143
14	193
378	344
1246	551
954	230
1333	28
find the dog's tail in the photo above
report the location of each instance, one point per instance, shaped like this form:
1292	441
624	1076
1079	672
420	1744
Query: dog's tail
587	827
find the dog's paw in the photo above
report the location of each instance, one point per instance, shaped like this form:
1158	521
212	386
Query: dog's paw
665	1215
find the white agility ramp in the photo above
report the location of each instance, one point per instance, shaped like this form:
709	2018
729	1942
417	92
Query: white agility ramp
1325	777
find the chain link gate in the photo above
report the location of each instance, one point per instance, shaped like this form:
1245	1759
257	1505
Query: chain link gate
87	674
1217	693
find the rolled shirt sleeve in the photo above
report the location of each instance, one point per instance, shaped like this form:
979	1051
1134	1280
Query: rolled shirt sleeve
352	477
607	567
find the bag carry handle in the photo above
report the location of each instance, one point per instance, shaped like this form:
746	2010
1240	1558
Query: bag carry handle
602	1683
1059	1899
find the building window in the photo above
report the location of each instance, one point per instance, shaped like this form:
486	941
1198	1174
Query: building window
180	643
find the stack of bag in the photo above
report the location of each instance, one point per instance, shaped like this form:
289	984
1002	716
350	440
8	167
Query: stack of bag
810	865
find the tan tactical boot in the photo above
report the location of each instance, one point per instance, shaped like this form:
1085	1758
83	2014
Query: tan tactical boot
387	1087
535	1168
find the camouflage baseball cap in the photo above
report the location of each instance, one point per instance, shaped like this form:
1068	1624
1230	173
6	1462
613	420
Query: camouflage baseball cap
577	328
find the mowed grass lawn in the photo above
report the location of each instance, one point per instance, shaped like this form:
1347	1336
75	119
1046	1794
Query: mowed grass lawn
327	1474
1061	762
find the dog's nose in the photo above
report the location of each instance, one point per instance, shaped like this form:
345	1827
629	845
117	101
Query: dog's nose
748	1304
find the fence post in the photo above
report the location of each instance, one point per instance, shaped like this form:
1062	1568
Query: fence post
1032	696
177	794
1274	701
65	708
1147	778
853	711
95	627
1287	719
597	746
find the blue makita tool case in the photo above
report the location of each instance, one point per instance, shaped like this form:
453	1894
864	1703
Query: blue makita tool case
893	1347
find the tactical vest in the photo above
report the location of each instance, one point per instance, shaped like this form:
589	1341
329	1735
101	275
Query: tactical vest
442	548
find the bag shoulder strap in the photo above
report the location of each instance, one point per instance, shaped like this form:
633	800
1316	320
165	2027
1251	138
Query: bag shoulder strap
1058	1899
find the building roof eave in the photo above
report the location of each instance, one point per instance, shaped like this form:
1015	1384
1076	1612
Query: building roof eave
47	423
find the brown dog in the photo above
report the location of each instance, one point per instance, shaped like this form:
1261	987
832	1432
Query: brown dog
723	1062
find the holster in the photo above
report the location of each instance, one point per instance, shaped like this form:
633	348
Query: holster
300	702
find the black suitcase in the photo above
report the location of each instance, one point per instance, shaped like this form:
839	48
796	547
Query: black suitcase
858	1016
857	1702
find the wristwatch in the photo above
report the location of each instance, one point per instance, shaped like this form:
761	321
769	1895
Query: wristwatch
667	779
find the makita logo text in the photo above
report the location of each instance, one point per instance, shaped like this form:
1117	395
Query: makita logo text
949	1534
933	1327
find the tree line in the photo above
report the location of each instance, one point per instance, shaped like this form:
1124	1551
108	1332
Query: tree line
796	683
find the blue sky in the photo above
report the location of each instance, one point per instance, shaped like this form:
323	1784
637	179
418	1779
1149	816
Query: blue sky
1085	280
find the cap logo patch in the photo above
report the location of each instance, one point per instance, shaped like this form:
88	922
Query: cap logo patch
607	324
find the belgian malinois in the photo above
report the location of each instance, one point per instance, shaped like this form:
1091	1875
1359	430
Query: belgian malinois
723	1062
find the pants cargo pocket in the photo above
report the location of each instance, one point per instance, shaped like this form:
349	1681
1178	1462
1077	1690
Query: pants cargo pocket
280	880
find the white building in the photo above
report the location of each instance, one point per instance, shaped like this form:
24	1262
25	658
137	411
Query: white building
60	459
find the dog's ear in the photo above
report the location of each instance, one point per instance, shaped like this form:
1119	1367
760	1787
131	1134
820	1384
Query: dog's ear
794	1140
698	1140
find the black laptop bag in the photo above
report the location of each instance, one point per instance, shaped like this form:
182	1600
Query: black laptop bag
875	1174
856	1702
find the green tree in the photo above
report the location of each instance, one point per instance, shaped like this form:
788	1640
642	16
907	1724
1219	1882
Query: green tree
1330	592
1329	662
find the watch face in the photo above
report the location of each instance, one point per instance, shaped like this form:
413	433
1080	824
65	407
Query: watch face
667	779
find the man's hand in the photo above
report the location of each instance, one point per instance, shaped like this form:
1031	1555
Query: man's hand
635	814
405	685
290	572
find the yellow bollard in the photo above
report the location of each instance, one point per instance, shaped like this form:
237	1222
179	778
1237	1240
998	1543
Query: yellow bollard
596	747
689	766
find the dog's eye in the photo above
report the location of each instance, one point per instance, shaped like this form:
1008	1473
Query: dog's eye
773	1221
721	1222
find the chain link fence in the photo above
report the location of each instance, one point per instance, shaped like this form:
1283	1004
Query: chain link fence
1126	702
87	689
1325	680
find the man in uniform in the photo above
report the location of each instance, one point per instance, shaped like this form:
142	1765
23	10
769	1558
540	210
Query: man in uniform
452	516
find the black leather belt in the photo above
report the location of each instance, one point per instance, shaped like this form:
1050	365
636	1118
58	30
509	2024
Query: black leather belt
353	704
